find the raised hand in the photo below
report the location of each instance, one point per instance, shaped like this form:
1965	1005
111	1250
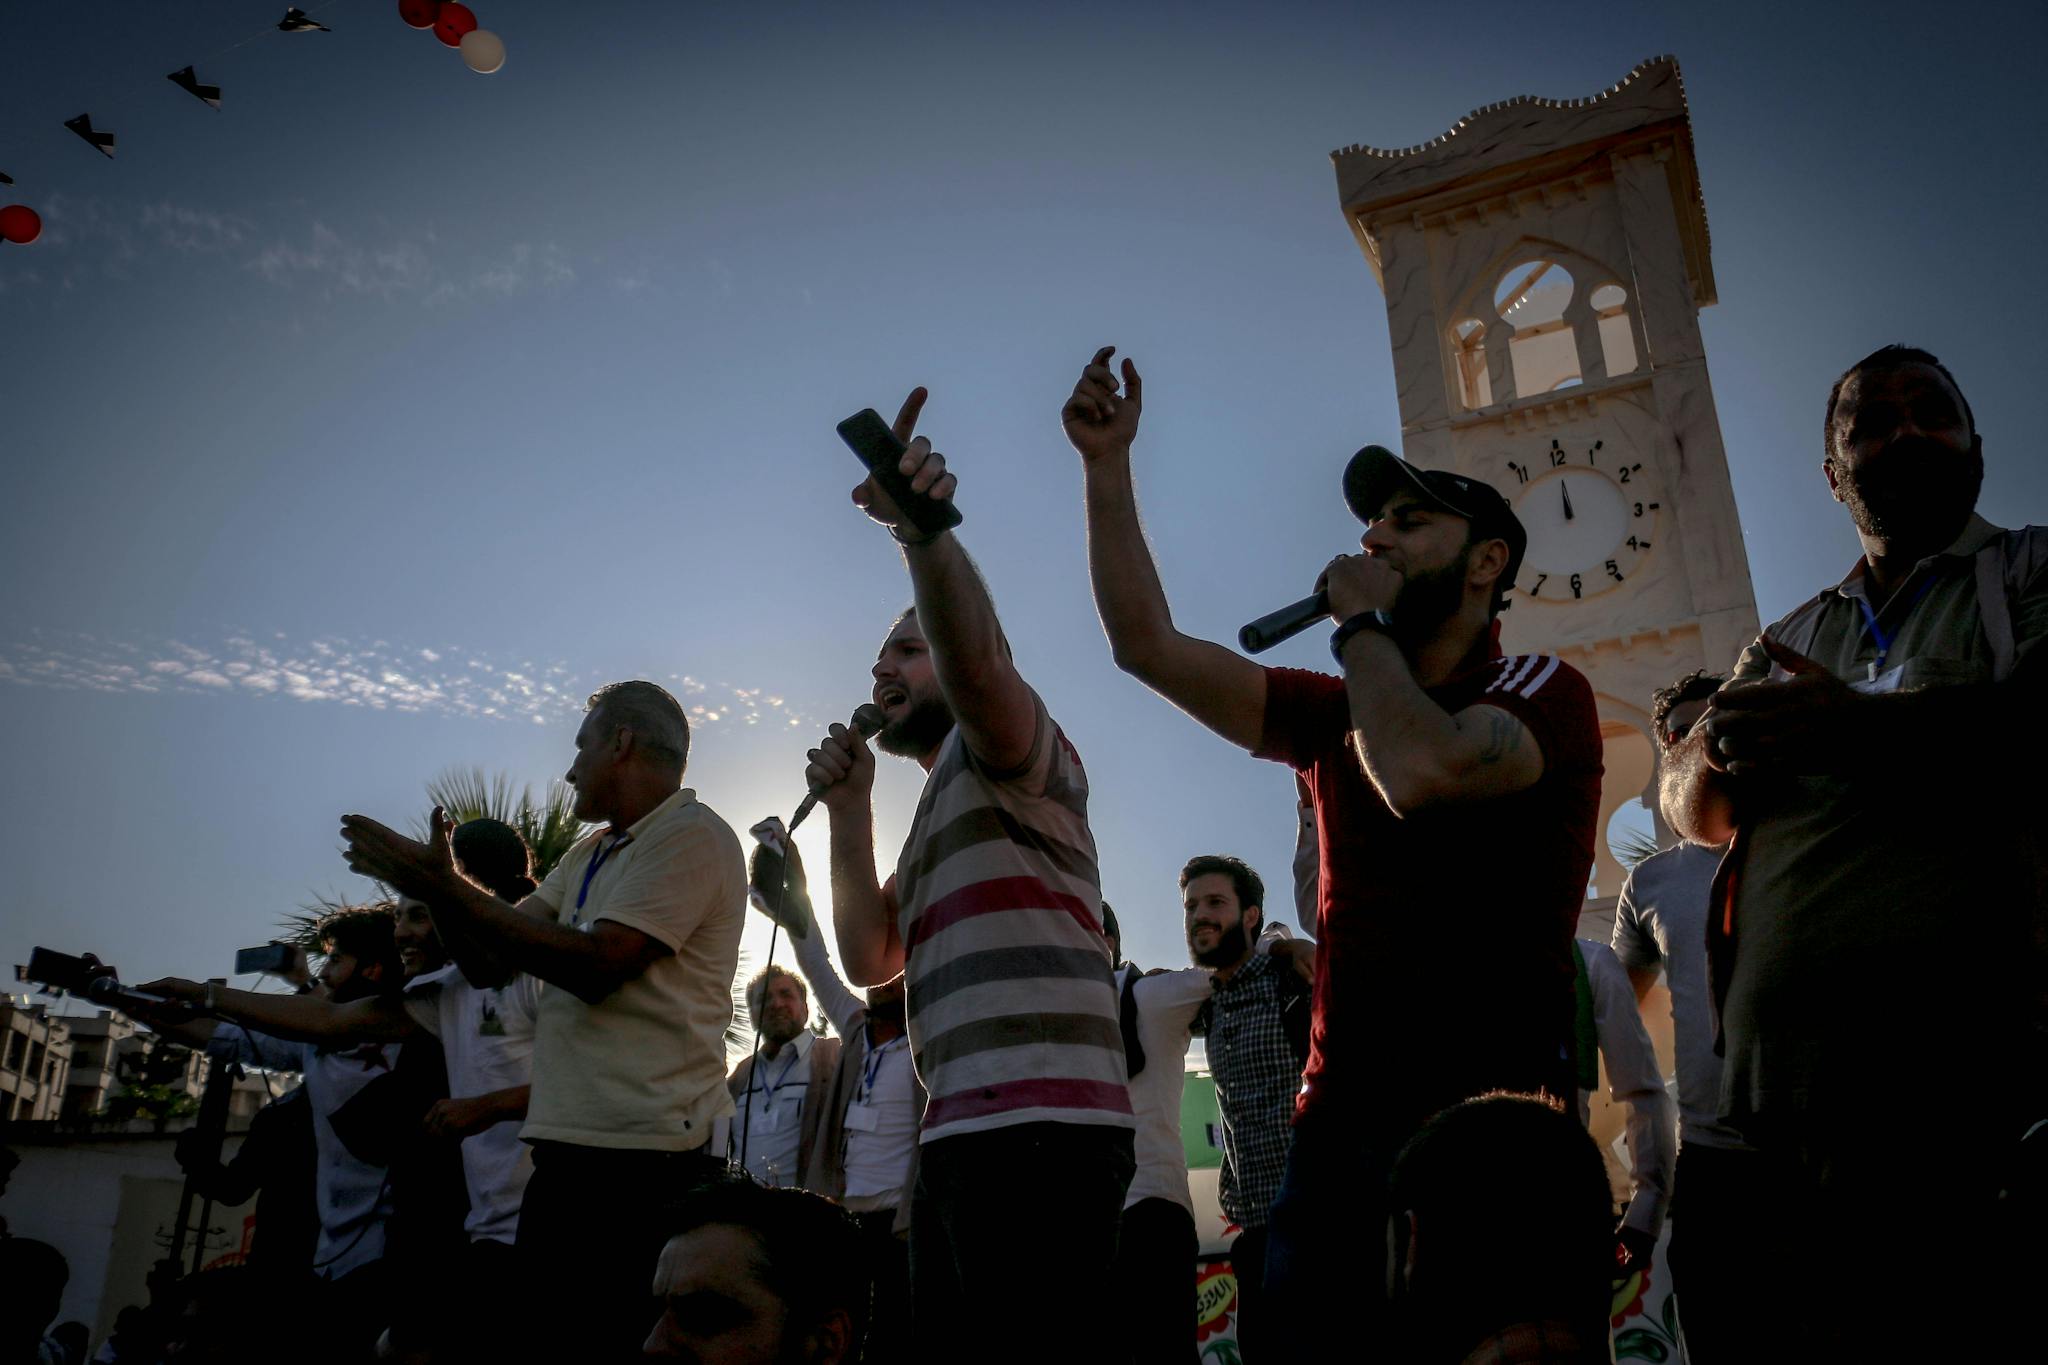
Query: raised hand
1099	421
410	867
923	466
780	889
842	770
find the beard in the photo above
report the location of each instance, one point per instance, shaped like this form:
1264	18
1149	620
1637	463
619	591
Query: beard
1916	491
1232	946
1427	600
887	1011
921	729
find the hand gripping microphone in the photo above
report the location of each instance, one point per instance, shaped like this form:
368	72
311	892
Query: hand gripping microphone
1284	624
868	720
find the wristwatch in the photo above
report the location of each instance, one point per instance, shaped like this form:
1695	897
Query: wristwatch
1381	621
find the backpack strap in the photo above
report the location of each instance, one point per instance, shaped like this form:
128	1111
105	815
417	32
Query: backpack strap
1297	1013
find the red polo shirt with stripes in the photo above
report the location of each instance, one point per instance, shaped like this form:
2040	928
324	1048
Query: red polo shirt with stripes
1445	962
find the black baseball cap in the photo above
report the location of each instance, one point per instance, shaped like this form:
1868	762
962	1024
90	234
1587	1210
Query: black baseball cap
1375	474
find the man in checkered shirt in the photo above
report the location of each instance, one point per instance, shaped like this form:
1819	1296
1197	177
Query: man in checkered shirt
1256	1025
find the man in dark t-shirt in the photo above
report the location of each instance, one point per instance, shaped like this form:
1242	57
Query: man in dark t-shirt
1453	789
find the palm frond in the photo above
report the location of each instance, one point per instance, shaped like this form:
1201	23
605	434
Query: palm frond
303	926
739	1034
1631	846
549	826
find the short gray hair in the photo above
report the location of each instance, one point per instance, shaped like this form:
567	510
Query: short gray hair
655	718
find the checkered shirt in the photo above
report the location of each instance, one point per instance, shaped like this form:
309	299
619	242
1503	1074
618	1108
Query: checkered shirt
1257	1077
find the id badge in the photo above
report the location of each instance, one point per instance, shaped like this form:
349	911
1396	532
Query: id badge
862	1118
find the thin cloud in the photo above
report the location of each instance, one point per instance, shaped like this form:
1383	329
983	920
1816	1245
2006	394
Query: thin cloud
88	237
399	265
377	675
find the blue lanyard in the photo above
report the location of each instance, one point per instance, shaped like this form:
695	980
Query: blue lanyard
1877	632
788	1065
590	870
874	1068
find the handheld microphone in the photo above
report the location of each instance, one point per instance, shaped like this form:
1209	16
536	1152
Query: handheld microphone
1284	624
868	721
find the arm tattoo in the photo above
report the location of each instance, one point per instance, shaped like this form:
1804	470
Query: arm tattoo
1503	736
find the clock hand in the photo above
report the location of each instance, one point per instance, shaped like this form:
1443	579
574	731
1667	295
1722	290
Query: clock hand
1567	499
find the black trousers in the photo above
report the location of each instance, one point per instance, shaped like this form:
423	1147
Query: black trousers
1903	1244
1248	1264
1022	1215
1729	1298
1155	1279
590	1230
888	1255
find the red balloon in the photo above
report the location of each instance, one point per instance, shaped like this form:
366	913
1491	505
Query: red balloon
454	21
419	13
20	224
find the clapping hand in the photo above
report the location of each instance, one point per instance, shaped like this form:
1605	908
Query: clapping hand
411	867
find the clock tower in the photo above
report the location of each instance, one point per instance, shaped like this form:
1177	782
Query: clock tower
1544	263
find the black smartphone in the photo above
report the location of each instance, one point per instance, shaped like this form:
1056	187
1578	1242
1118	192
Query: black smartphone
60	971
271	959
870	438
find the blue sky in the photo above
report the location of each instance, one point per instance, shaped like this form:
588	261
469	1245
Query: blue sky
370	422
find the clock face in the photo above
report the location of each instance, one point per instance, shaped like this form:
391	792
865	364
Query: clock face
1591	514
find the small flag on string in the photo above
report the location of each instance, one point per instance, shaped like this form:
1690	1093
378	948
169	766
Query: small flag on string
82	125
298	21
5	178
189	83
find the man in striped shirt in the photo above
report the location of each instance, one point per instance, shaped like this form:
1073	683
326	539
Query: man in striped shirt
993	919
1455	794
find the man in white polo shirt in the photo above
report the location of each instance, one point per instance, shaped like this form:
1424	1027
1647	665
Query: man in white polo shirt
636	933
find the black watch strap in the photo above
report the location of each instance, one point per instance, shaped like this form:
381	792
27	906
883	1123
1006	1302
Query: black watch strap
1365	620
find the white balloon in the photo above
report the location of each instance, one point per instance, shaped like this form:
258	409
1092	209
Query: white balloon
483	51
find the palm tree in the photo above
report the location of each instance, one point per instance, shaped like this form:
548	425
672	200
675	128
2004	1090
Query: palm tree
303	928
549	826
1632	846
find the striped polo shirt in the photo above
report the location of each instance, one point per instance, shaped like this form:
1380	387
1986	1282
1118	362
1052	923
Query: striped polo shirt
1011	1008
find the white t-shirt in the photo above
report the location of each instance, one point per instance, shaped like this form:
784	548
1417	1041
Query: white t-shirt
487	1038
883	1114
1167	1005
881	1122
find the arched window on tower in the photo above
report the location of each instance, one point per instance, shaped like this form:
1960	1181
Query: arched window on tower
1531	299
1617	337
1468	344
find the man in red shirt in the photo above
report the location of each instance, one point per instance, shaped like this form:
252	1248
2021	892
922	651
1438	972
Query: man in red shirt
1456	793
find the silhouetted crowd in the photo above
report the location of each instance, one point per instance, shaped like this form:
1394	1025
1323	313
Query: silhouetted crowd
518	1138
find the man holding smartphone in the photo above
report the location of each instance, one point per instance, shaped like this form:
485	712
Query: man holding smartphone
1451	786
992	918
